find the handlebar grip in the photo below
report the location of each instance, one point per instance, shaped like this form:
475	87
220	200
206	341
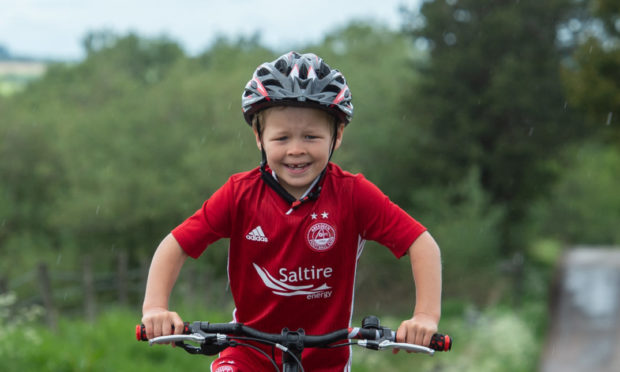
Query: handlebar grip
441	342
141	331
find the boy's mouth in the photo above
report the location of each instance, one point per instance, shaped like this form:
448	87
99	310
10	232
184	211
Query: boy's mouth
297	168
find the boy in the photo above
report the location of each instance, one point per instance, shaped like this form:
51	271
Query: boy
297	224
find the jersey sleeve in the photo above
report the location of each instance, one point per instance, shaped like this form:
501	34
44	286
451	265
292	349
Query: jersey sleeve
381	220
210	223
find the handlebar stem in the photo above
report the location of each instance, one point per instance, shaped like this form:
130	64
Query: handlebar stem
293	341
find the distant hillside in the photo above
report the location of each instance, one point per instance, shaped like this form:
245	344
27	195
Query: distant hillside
21	68
17	72
6	55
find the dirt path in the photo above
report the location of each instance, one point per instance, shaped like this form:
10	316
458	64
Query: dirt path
585	323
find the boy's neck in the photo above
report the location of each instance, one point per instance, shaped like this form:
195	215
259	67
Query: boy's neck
296	195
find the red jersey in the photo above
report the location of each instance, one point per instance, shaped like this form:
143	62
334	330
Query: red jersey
298	270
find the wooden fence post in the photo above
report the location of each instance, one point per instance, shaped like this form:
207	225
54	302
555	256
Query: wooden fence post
45	289
4	284
89	289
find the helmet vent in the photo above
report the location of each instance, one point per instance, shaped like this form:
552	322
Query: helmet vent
332	88
281	65
303	71
272	82
323	71
262	71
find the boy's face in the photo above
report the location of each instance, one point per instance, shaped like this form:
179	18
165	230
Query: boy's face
297	141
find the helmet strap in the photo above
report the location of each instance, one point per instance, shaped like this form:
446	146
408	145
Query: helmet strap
334	140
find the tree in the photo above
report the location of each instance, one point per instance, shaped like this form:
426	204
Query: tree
491	98
32	176
593	75
377	65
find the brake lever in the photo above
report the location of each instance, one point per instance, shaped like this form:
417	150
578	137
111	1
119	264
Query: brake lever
194	337
385	344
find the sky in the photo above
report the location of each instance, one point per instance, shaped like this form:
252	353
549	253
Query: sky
55	28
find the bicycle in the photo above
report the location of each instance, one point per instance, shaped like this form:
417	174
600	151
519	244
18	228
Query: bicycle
215	337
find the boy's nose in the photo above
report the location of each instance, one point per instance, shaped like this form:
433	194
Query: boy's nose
296	148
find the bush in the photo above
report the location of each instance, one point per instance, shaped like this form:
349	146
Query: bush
585	204
465	225
496	340
17	334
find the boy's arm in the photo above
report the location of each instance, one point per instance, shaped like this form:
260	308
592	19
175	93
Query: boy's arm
165	267
426	265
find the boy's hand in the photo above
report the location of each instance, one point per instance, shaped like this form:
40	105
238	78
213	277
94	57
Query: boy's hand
159	322
418	330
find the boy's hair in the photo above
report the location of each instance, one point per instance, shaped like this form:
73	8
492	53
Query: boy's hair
297	80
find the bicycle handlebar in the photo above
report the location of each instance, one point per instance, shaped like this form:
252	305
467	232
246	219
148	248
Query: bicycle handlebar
370	336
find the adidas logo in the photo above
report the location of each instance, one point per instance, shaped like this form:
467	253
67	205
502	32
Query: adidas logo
257	235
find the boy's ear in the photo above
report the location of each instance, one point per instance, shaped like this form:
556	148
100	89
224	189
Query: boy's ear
339	134
258	141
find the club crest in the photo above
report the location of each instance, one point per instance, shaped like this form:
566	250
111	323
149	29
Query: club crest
320	236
